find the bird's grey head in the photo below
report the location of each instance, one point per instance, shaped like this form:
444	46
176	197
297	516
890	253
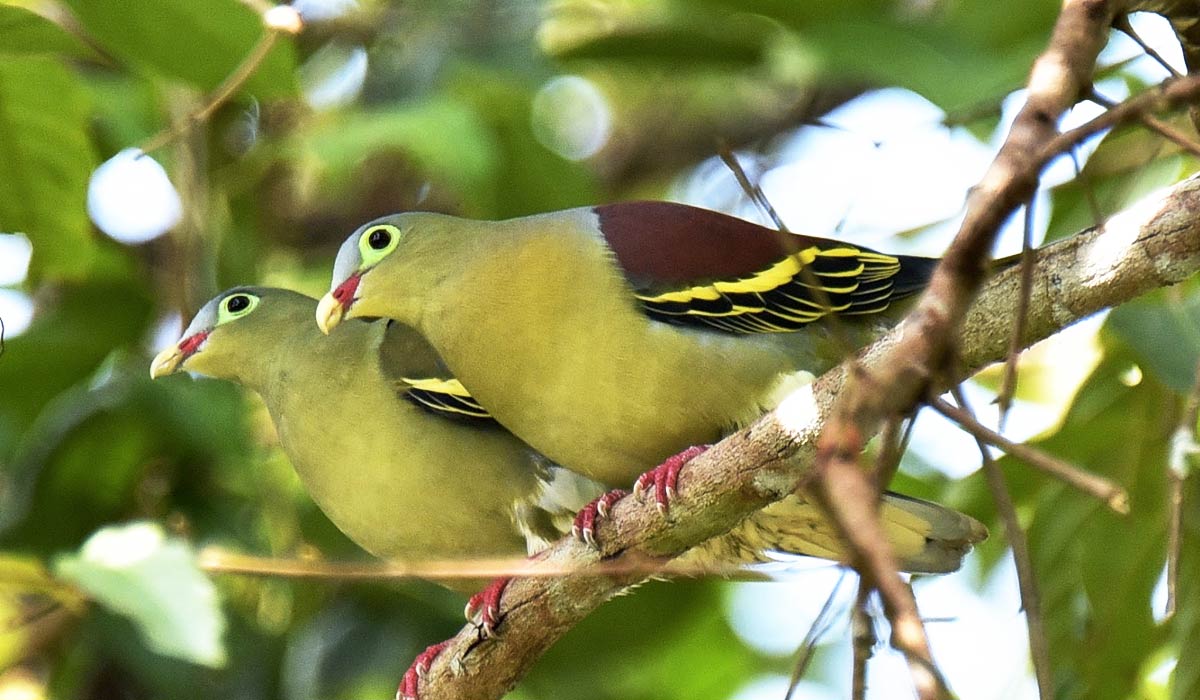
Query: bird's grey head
385	267
219	343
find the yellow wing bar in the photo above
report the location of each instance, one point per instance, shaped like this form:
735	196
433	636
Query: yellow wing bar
796	290
444	396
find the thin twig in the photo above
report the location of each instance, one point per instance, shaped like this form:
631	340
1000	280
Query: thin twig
1	335
817	630
1174	539
277	20
1031	599
752	189
833	322
863	641
1170	133
1166	95
1185	444
32	616
1089	192
1008	387
1109	493
224	91
892	445
1153	123
221	561
851	496
1121	24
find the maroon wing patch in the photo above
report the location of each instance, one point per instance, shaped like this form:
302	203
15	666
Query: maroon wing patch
696	267
665	243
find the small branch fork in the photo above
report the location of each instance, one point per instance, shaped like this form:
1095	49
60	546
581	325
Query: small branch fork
1094	485
904	374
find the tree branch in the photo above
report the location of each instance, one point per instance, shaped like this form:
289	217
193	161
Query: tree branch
926	345
1153	244
1094	485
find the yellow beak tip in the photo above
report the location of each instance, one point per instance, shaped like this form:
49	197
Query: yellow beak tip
165	362
329	313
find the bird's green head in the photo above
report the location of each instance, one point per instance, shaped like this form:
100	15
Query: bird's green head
230	330
383	266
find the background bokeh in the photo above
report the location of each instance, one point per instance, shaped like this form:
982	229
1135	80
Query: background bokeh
863	119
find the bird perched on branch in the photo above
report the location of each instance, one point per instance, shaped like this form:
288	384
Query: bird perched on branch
613	337
389	446
620	337
402	459
380	433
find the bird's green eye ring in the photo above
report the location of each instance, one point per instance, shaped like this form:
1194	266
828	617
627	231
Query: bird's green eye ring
236	306
376	242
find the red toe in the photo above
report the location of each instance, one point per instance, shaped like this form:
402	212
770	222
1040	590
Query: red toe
608	500
485	605
665	477
589	516
410	685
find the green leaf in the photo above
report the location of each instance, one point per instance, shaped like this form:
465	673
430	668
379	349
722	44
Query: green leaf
1163	328
199	42
67	340
949	70
446	140
529	177
671	618
24	32
1097	570
959	55
136	571
1129	163
664	33
47	161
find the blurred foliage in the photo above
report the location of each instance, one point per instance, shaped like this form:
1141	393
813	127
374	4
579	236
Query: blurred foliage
448	119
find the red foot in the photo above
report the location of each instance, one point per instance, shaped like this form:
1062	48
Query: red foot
410	684
588	517
665	477
485	605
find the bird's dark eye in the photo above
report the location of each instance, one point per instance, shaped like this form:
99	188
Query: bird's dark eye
237	303
379	239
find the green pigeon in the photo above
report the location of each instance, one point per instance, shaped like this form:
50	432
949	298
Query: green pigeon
620	337
385	441
404	461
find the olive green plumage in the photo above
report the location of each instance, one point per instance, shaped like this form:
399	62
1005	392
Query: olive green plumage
406	482
400	481
608	362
